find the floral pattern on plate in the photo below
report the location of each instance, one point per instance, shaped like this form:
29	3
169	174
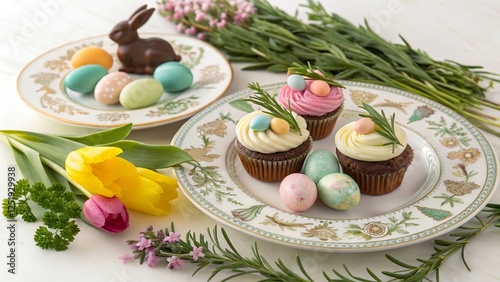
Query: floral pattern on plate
451	178
40	86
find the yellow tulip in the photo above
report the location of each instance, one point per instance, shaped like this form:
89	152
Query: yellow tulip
100	171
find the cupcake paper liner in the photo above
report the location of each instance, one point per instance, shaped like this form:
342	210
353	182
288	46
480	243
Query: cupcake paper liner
321	127
272	170
376	184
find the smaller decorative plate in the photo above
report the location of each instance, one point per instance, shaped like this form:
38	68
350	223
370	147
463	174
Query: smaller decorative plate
40	85
452	176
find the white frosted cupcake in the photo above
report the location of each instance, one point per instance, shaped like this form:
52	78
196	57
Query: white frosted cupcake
377	163
268	155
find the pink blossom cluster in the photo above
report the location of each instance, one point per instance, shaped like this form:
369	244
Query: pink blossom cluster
149	247
196	17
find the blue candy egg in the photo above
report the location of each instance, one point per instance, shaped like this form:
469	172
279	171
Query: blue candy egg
174	76
296	82
339	191
320	163
260	123
85	78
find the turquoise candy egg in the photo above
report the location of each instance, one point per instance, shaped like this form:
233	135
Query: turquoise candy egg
174	76
320	163
296	82
339	191
141	93
85	78
260	123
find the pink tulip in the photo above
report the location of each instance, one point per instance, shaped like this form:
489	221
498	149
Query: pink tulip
108	214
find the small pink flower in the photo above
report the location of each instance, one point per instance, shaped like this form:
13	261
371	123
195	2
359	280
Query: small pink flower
201	36
221	24
143	243
200	16
174	262
125	257
196	252
152	258
172	237
205	6
191	31
180	27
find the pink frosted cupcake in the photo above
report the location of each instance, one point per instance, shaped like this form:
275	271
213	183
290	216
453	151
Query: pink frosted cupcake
317	101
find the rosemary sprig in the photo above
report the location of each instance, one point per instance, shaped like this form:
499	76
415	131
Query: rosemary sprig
308	71
383	126
223	256
273	39
266	101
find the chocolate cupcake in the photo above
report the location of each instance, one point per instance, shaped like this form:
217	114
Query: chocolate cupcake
267	155
374	153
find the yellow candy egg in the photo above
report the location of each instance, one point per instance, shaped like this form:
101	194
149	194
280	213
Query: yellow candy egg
364	126
320	88
279	126
92	56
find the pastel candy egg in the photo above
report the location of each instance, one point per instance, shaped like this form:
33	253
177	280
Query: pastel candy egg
279	126
174	76
107	91
85	78
141	93
319	88
260	122
364	125
320	163
92	56
298	192
339	191
296	82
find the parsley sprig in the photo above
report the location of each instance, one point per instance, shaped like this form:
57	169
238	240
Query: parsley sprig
309	72
383	126
59	230
265	100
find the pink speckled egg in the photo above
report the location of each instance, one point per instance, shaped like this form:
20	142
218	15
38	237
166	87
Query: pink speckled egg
107	91
364	126
319	88
298	192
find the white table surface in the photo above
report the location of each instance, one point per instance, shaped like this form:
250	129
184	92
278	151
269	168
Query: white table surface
464	31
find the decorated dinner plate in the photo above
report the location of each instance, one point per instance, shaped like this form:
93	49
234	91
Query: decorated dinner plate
40	85
452	176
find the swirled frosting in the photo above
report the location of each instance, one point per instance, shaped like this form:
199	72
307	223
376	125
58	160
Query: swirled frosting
306	103
267	142
368	147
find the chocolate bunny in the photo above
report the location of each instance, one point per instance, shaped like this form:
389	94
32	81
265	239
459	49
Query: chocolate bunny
138	55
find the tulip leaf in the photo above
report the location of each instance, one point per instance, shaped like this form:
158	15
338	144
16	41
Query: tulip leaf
151	156
103	137
54	148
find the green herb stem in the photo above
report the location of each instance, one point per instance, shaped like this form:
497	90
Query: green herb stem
275	40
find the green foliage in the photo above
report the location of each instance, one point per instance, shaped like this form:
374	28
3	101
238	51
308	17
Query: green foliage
59	230
223	256
274	40
271	106
383	127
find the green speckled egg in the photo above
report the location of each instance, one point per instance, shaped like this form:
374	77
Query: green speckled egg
174	76
339	191
85	78
141	93
320	163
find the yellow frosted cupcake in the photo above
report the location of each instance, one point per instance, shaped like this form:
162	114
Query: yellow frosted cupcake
374	151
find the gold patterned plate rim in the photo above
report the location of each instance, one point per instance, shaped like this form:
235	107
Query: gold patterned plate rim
39	85
452	177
